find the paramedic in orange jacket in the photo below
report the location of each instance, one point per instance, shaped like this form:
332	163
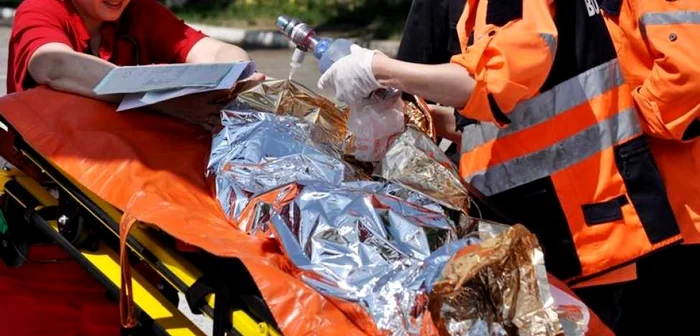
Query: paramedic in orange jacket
656	42
70	45
559	143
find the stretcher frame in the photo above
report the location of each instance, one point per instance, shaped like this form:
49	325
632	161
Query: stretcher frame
152	307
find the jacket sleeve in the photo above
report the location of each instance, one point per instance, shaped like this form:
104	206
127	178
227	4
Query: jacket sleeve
511	56
669	97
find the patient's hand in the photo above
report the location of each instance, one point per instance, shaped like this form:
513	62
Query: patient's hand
445	123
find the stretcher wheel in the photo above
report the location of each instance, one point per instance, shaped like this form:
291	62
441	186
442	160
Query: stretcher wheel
12	252
13	249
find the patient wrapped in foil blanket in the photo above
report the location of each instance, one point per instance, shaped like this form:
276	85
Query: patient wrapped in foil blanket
393	243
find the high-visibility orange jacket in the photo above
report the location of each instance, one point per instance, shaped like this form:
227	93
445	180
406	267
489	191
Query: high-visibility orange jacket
559	142
656	42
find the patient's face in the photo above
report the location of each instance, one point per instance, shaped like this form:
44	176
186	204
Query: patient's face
101	10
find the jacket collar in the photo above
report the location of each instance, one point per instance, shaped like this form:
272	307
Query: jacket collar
612	7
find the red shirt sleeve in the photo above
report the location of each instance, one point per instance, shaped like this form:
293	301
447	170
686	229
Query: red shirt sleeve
36	23
168	39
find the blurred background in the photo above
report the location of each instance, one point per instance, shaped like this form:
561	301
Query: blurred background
365	19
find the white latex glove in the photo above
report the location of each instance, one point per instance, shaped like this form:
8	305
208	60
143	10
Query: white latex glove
351	77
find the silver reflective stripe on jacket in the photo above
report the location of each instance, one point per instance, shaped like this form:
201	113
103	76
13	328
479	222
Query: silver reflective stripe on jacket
561	98
576	148
667	18
551	42
580	146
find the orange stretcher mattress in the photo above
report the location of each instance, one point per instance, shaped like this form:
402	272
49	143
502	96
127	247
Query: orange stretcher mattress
152	167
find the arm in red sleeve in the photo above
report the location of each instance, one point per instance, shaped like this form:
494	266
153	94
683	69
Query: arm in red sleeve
510	62
35	24
669	97
44	49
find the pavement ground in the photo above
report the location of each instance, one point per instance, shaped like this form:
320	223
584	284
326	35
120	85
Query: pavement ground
4	39
275	63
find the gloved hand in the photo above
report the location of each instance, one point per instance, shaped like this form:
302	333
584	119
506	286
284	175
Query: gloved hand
351	77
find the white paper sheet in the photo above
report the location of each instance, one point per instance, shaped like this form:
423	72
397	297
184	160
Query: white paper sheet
139	99
143	78
241	70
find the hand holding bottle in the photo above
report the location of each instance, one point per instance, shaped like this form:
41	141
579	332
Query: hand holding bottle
351	77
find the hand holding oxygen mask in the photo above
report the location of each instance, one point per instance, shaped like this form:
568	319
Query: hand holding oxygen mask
375	112
351	77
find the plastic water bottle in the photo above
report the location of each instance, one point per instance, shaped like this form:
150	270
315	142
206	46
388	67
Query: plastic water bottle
328	51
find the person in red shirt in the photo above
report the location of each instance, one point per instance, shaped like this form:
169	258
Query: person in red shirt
70	45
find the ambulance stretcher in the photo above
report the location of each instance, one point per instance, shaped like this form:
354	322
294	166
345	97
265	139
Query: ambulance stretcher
91	238
87	228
